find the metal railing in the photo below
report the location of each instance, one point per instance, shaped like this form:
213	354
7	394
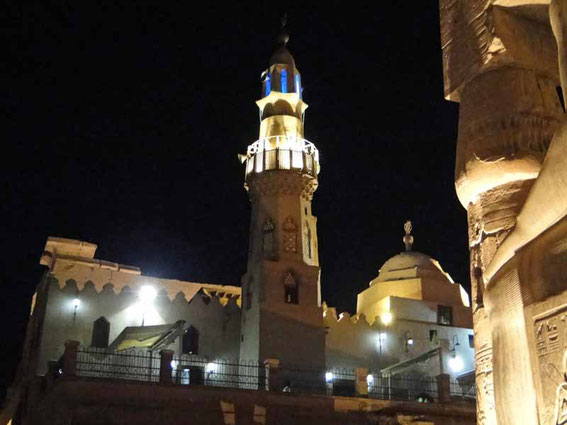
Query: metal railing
282	153
403	387
464	390
132	365
193	370
190	370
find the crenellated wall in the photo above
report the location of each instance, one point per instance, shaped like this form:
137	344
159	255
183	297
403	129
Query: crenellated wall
212	310
353	341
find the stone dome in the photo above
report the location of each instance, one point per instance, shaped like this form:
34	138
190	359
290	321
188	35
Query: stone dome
411	264
282	56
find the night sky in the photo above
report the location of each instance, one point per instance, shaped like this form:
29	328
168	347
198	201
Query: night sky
122	123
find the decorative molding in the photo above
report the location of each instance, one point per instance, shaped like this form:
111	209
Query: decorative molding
102	279
290	236
282	182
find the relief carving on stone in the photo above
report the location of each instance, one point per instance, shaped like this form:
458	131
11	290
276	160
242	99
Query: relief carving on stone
290	236
282	184
550	332
485	385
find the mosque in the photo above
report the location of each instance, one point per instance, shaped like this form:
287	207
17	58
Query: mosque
412	320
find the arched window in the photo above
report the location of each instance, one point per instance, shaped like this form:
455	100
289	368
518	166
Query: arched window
298	85
291	295
190	341
290	236
283	82
101	333
266	79
309	253
268	238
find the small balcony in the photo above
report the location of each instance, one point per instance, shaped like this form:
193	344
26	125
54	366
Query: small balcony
282	153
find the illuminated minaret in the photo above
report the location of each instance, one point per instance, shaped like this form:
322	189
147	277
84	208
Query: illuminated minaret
281	313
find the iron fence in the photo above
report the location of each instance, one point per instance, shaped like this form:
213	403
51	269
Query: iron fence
132	364
403	387
464	390
144	365
193	370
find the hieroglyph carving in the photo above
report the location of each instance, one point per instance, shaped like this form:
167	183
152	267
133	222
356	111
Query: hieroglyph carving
551	347
485	385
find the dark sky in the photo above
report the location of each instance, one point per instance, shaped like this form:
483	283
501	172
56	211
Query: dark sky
123	121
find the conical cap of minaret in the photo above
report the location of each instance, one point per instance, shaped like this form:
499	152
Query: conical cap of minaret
281	106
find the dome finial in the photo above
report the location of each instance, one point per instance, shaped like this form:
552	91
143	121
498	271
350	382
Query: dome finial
283	38
408	238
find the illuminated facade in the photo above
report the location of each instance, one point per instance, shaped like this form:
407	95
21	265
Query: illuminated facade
281	288
505	62
95	317
412	319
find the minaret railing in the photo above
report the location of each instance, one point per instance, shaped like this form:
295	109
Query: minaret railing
282	153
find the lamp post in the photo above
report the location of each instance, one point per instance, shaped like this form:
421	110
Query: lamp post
76	303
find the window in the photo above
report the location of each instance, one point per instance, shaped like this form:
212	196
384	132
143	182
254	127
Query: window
298	84
308	242
190	341
268	86
471	340
283	81
101	333
267	83
433	335
268	238
445	315
190	375
291	292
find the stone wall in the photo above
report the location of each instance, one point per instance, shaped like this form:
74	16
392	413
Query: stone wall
353	342
218	325
94	403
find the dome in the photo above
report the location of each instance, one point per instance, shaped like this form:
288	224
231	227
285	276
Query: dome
411	264
282	56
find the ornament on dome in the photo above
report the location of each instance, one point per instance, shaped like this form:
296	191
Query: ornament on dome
408	238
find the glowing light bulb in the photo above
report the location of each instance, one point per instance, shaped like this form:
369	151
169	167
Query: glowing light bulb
387	318
211	367
456	364
147	294
369	379
410	341
329	377
76	303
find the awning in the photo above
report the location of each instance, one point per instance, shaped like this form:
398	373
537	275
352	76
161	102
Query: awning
150	337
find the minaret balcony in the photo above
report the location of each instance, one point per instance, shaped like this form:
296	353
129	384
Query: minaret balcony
282	153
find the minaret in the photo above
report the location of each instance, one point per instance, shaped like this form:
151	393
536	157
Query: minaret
281	314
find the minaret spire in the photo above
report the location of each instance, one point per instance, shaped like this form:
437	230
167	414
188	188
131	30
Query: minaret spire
408	238
283	37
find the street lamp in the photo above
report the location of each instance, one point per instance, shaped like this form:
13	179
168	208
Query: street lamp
75	303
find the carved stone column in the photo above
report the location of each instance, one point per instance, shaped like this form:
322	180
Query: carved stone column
507	119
